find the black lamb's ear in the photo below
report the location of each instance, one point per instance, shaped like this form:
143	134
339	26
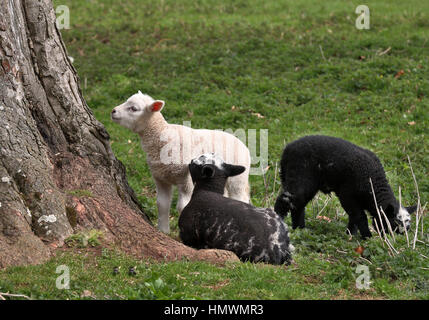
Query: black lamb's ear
411	209
233	170
208	171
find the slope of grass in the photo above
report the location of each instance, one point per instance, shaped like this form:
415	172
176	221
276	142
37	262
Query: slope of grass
305	69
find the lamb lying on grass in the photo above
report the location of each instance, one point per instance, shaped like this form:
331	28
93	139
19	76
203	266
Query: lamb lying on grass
170	148
212	221
329	164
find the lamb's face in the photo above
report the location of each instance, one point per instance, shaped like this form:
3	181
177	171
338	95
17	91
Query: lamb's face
399	217
403	220
135	110
210	165
206	166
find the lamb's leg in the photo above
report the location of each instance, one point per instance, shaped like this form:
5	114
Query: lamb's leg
357	216
185	194
299	196
163	201
352	227
298	217
358	220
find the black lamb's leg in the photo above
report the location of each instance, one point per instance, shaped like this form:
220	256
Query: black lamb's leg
363	225
298	218
352	227
357	216
358	221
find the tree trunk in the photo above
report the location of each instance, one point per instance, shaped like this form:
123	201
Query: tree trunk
58	173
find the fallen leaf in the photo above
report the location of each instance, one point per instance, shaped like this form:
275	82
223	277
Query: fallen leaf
360	250
399	74
324	218
412	123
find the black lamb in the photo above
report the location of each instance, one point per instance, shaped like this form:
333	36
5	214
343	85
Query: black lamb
211	220
321	163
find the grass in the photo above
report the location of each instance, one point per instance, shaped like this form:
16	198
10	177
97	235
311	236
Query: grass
305	69
90	238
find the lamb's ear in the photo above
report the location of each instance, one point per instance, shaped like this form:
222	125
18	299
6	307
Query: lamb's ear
156	106
208	171
233	170
411	209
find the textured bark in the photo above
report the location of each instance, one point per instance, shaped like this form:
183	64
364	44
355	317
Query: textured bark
51	145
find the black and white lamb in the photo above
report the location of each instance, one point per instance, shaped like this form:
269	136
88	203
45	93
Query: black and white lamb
321	163
211	220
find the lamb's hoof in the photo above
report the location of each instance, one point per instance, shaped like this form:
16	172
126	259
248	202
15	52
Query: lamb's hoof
366	236
352	232
298	226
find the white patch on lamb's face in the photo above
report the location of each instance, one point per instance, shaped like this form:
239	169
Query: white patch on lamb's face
128	113
403	219
209	158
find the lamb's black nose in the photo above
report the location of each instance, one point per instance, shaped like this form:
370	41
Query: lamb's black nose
113	111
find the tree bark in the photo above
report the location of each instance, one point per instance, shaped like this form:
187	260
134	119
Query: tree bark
52	149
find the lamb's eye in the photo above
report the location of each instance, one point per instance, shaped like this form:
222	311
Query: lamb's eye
133	109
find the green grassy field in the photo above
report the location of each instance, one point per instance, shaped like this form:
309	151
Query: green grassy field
305	69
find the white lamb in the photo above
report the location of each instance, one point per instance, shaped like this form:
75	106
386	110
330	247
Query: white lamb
171	147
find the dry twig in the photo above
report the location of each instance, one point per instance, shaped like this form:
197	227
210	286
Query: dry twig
418	203
7	294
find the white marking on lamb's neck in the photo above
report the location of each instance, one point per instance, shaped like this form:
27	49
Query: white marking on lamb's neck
262	255
274	238
250	245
